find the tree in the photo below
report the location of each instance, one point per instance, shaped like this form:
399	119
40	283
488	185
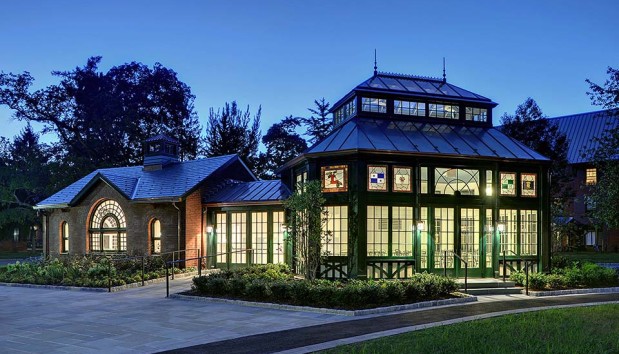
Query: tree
307	220
282	144
319	124
605	193
532	128
24	176
232	131
102	119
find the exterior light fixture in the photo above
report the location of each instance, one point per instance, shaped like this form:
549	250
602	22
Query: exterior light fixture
209	229
489	191
284	227
489	228
500	226
421	225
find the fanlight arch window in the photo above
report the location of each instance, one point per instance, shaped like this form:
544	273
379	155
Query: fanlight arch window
452	180
108	228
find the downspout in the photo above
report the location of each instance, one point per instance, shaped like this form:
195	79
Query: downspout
178	229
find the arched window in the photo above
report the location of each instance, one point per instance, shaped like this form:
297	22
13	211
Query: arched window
64	234
155	236
452	180
108	228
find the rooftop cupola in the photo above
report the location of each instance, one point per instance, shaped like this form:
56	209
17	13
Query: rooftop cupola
160	150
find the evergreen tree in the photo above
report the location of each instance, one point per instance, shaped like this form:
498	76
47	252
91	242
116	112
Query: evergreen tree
605	194
319	124
229	130
282	144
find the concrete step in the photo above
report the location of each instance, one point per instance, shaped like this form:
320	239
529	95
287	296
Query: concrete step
493	291
475	283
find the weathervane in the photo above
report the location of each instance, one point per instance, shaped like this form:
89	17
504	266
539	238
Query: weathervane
375	67
444	76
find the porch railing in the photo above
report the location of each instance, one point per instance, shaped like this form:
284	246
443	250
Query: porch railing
527	263
466	268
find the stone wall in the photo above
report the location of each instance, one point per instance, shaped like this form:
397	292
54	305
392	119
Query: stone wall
137	215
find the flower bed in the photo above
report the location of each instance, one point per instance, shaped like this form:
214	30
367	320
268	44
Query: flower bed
84	271
570	275
275	283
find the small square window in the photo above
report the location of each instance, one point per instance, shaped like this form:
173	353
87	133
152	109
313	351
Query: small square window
508	183
402	179
591	176
377	178
528	184
334	178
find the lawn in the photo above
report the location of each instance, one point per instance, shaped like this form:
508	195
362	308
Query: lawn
596	257
588	330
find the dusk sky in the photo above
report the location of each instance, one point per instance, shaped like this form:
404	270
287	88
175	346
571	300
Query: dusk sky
284	54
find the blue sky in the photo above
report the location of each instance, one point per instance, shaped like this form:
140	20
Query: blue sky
284	54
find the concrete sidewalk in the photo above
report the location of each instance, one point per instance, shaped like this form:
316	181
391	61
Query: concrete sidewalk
142	320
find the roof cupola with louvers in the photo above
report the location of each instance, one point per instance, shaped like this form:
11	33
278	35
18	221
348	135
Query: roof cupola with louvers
159	151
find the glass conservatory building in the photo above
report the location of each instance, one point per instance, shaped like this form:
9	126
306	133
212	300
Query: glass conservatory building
417	179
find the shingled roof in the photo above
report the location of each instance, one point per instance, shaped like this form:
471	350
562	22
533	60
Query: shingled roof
402	136
582	129
136	184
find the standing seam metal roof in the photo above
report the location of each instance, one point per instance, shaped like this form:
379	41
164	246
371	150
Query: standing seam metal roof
423	138
582	129
256	191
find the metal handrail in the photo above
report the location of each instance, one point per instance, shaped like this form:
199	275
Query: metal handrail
199	258
466	269
527	264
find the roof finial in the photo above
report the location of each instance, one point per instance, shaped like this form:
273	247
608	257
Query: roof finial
444	76
375	67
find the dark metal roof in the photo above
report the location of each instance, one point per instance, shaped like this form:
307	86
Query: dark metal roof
256	191
390	135
582	129
417	86
135	183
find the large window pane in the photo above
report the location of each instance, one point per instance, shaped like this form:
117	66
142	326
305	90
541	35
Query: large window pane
377	230
443	237
222	237
238	237
337	229
259	237
528	232
450	180
509	235
402	231
278	237
378	105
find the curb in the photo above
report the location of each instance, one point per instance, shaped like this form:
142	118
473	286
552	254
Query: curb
574	291
379	310
98	290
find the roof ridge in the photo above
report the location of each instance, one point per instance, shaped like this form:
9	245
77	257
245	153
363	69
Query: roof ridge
589	112
408	76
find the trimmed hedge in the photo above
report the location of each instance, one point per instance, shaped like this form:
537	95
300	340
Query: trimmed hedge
569	275
85	271
275	283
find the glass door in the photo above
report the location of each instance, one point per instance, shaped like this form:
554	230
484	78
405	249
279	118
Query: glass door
443	239
471	245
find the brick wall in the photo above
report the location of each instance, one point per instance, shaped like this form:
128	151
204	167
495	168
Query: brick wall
193	225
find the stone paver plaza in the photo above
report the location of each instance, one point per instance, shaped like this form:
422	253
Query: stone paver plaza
142	320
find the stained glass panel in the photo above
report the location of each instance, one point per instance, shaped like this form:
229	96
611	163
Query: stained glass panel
402	181
528	184
377	178
508	183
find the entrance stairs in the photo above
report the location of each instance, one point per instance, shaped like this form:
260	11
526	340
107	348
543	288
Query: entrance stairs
489	286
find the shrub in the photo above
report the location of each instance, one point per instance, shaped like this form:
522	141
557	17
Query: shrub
537	281
518	277
276	284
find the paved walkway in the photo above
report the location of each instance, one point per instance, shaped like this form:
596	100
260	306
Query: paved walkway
142	320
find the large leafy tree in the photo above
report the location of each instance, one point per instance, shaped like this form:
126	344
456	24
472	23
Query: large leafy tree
231	130
605	194
319	124
102	118
282	144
